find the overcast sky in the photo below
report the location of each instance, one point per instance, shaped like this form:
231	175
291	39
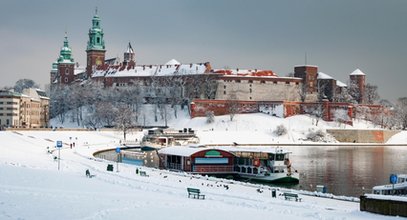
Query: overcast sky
338	36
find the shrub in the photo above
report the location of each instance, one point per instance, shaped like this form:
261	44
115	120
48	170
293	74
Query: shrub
280	130
210	117
316	136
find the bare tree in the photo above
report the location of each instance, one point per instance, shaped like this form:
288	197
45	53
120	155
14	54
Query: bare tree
22	84
343	96
124	119
401	112
303	91
210	117
371	94
232	105
341	116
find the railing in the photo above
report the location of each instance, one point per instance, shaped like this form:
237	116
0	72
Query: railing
213	169
175	166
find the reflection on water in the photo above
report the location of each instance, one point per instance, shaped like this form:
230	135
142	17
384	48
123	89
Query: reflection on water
343	170
135	156
347	170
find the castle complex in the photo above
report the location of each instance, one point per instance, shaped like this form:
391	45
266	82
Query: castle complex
199	82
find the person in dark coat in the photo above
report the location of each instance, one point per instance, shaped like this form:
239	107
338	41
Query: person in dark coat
87	173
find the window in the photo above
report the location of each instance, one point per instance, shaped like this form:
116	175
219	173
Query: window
250	90
1	103
224	87
238	80
66	79
262	81
98	40
1	108
66	71
250	81
287	83
297	83
7	121
275	82
224	92
250	98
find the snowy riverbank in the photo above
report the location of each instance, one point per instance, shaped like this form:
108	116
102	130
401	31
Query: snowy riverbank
31	187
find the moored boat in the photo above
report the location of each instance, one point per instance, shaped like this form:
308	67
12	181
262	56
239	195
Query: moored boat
264	164
249	162
397	186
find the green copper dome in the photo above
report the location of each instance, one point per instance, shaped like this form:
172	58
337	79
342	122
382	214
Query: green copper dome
65	54
96	41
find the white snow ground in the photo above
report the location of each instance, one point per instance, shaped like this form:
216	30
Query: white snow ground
31	187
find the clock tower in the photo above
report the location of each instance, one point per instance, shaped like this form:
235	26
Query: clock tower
96	46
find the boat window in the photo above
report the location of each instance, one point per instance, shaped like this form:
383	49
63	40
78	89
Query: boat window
280	157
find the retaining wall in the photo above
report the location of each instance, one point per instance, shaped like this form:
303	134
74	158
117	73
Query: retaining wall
384	207
362	136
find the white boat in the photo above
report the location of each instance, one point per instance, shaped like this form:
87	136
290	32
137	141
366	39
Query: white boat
398	188
264	164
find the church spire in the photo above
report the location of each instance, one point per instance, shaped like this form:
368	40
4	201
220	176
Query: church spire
65	54
96	41
129	56
95	50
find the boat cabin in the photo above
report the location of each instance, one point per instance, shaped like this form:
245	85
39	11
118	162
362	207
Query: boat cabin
261	160
195	159
398	188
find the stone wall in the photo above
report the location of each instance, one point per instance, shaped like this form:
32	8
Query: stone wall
258	89
361	136
384	207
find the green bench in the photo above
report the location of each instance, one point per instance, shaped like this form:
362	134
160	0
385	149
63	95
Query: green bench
196	193
292	196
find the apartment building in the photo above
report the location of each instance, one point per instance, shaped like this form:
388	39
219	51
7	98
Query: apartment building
24	110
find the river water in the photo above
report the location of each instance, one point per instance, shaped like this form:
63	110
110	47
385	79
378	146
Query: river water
344	170
347	170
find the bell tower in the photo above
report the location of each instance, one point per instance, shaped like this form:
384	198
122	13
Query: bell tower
96	46
65	64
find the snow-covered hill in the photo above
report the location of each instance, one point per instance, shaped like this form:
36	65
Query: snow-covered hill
245	128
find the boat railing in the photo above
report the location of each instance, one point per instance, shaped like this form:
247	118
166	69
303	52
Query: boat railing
175	166
213	168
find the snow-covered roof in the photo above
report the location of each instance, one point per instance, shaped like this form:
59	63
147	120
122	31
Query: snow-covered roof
181	151
322	75
187	151
173	62
79	70
340	84
257	149
153	70
245	72
357	72
305	65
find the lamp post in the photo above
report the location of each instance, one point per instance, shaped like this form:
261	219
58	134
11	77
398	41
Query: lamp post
117	161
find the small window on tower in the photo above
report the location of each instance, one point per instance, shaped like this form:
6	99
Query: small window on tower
98	40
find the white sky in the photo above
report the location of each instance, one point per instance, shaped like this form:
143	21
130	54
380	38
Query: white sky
338	36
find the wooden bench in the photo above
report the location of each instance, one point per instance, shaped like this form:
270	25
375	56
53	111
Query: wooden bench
289	196
196	193
143	173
